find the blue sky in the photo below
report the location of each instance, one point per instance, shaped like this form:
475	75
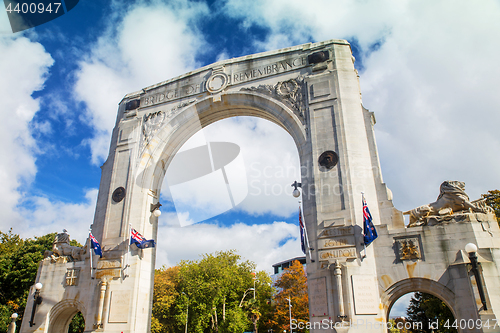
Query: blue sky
429	71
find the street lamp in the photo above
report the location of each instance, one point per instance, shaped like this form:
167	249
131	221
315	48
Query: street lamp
249	289
155	209
471	249
187	311
290	310
37	301
296	192
12	326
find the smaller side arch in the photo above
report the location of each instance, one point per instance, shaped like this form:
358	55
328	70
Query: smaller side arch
62	313
400	288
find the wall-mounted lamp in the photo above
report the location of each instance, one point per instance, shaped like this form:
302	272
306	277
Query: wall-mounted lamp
155	209
37	301
296	192
471	249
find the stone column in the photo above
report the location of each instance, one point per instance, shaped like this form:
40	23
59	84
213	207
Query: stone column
104	284
338	282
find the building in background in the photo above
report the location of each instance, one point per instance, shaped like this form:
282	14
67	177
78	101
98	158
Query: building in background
279	268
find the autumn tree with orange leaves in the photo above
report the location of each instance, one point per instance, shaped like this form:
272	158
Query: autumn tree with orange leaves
292	284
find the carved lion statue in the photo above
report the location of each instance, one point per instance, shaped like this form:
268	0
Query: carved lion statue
61	248
452	198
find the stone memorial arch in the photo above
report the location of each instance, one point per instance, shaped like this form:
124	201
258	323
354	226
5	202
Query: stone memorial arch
312	91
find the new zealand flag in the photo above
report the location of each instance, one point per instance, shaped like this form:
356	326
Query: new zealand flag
139	240
95	245
369	231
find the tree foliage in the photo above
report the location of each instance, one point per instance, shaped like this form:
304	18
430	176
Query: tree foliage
77	324
292	285
19	261
493	200
428	309
209	292
397	326
166	292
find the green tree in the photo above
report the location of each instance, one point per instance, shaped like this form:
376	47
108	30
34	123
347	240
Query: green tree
428	309
493	200
398	326
292	285
77	324
210	291
19	260
165	294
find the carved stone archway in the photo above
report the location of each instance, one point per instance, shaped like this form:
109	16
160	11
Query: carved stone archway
394	292
62	313
312	91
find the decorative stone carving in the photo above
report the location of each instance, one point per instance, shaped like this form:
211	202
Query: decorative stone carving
62	250
408	248
217	82
154	121
328	159
452	203
72	276
291	93
118	194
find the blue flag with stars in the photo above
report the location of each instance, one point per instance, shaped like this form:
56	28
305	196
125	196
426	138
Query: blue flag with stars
369	231
95	245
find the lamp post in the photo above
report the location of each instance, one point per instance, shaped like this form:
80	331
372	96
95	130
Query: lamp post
187	312
296	192
246	291
471	249
12	326
37	301
290	311
254	278
155	209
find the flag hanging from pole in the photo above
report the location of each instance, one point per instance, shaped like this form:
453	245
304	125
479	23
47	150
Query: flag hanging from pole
95	245
302	233
139	240
369	231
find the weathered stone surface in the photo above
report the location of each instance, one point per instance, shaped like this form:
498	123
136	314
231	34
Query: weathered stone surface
319	105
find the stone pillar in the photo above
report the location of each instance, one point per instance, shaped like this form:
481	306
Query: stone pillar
338	282
102	295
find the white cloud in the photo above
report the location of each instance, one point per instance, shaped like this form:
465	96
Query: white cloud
24	68
43	216
270	159
270	172
432	91
431	83
143	45
264	244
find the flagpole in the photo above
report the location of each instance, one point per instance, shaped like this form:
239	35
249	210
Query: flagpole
90	251
364	244
128	250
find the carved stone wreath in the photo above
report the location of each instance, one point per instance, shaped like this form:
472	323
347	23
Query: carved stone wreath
290	92
154	121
